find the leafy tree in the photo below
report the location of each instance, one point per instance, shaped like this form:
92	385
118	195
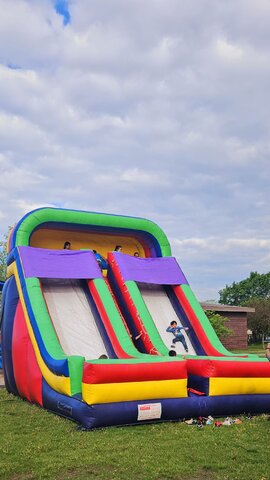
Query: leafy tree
2	260
255	286
259	322
218	323
3	257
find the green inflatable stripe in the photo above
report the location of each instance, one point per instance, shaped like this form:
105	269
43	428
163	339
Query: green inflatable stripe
43	319
44	215
232	358
206	325
139	361
75	368
210	332
49	337
121	333
115	319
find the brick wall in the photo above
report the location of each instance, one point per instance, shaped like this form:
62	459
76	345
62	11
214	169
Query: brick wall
237	323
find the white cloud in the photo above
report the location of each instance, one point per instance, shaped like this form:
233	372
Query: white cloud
26	207
154	109
218	245
137	176
227	51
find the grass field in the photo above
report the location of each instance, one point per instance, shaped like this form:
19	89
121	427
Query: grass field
36	444
256	348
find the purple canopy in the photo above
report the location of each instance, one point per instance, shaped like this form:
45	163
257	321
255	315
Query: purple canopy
161	271
43	263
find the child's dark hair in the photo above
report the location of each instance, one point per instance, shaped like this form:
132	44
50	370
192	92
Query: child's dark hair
173	322
66	244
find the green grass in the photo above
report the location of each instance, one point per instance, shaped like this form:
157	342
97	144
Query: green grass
256	348
36	444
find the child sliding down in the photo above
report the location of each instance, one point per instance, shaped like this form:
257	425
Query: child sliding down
178	336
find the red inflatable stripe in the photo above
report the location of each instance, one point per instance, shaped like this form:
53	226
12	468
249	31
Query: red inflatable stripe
27	374
19	352
223	368
116	305
196	325
149	347
109	373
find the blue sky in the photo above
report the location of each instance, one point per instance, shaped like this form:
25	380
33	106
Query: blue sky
157	109
61	7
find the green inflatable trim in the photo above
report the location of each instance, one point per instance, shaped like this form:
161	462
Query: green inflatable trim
206	325
45	215
204	321
121	332
43	319
49	337
115	319
138	361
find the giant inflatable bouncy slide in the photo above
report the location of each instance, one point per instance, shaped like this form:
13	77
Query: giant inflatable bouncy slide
92	345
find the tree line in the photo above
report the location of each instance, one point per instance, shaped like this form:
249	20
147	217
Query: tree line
253	291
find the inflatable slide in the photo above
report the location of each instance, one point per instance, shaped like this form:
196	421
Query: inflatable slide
92	345
151	298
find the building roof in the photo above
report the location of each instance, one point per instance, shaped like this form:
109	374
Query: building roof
217	307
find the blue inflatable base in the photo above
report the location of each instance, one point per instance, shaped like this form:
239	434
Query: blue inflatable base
172	409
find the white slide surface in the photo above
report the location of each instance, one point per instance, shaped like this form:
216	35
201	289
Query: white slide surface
162	313
72	318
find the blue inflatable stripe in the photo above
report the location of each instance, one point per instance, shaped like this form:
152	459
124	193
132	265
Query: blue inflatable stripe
4	291
11	299
107	343
10	257
68	407
199	383
185	321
